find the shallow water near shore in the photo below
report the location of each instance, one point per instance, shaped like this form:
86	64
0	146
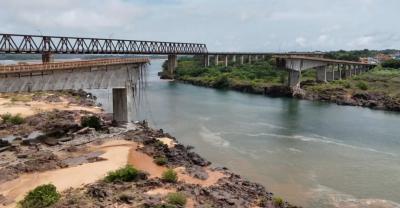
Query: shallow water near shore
310	153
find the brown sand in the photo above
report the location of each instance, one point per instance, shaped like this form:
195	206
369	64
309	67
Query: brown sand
116	152
144	162
32	107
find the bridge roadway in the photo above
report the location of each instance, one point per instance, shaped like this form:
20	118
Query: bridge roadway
326	69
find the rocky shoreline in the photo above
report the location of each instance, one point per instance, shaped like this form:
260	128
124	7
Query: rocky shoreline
50	142
373	100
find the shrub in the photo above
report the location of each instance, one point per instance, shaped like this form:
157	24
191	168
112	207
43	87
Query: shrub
160	160
91	121
41	196
222	82
176	199
362	85
278	201
126	174
395	64
170	176
8	118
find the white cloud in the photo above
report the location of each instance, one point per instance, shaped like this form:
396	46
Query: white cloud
301	41
251	25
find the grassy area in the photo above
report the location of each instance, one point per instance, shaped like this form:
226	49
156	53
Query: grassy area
41	196
257	75
379	80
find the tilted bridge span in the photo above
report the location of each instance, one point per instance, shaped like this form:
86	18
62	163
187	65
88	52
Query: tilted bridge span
122	75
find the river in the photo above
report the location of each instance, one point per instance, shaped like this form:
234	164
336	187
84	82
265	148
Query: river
312	154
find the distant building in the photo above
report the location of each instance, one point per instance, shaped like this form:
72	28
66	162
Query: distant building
369	60
383	57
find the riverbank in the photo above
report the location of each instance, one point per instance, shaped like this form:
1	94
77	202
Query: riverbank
53	146
376	89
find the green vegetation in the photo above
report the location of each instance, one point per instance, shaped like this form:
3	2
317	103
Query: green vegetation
278	201
12	119
379	80
362	85
250	76
160	160
41	196
395	64
176	199
92	122
170	176
126	174
355	55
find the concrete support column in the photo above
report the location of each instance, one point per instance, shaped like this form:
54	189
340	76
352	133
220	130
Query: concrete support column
241	59
256	58
226	61
47	57
321	74
294	79
249	59
340	71
172	62
216	60
206	60
263	57
234	58
123	104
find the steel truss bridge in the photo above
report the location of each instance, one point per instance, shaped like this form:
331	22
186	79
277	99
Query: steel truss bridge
37	44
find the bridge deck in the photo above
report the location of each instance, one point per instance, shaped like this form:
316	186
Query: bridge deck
9	69
330	61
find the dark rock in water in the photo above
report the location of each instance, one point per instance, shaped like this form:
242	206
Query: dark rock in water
197	159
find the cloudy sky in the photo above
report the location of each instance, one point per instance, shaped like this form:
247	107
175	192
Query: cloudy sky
224	25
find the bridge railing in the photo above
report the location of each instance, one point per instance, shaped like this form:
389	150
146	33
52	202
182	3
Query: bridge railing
15	43
20	68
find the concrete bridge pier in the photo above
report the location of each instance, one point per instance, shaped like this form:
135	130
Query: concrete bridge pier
172	63
294	78
234	59
249	59
47	57
226	61
216	60
206	60
241	60
321	74
123	104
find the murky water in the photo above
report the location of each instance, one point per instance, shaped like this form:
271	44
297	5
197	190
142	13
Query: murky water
310	153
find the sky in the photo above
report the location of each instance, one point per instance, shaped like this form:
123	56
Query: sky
224	25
